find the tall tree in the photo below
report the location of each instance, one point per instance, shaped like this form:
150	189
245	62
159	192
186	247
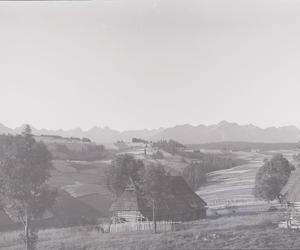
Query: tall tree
195	175
123	168
24	171
272	177
154	188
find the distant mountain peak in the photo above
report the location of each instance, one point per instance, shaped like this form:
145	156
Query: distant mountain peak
185	133
222	123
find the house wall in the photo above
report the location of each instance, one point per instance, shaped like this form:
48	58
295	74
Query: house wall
130	216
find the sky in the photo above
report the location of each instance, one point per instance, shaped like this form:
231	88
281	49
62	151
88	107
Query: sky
135	64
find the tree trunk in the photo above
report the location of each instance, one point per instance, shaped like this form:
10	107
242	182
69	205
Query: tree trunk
153	215
27	231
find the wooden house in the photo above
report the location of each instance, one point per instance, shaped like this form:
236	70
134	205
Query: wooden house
181	204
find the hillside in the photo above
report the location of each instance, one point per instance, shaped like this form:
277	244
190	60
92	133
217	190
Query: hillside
253	231
82	196
84	199
186	134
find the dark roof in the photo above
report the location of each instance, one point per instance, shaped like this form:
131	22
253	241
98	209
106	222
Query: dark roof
180	200
128	201
291	191
100	202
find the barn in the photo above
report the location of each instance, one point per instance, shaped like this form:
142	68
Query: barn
181	204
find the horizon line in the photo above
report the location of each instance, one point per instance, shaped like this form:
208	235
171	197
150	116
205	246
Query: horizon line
149	129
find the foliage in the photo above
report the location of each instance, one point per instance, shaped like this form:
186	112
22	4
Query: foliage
87	153
83	139
195	175
139	140
214	162
153	188
123	168
246	146
158	155
148	179
272	177
171	146
24	170
152	183
6	142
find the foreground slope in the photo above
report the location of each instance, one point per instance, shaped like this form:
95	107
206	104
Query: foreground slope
257	231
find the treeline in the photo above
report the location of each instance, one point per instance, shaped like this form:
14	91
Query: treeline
5	143
244	146
201	164
139	140
171	146
87	153
296	157
83	139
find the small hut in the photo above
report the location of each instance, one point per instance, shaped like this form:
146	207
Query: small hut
290	197
181	204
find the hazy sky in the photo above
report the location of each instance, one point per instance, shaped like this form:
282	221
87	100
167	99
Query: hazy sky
132	64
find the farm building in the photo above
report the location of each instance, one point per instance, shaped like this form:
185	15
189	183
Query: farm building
290	196
181	204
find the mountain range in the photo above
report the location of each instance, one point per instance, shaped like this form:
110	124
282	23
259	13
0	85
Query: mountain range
186	134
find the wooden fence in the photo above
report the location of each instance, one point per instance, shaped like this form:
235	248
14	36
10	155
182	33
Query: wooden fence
292	216
161	226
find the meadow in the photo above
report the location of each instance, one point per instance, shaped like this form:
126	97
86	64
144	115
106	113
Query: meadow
256	231
234	187
248	226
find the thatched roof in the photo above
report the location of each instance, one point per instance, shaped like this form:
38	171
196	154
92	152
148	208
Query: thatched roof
291	191
179	202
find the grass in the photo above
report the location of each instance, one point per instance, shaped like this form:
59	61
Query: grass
258	231
254	231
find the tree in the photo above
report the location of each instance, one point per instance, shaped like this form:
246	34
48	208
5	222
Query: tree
139	140
170	146
149	180
158	155
153	187
272	177
123	168
24	171
195	175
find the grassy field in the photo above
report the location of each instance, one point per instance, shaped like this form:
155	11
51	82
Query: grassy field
258	231
82	195
234	229
234	186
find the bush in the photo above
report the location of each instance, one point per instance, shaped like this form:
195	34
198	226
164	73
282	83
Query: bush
171	146
158	155
139	140
272	177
